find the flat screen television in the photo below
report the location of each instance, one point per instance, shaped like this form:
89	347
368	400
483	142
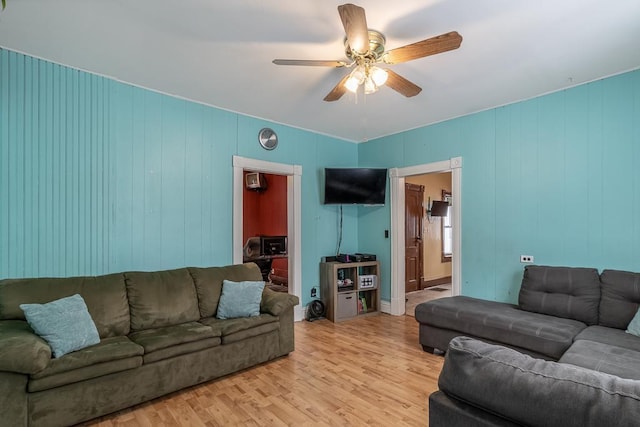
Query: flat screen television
439	208
347	186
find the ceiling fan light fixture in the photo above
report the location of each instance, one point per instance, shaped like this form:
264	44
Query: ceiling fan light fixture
378	75
352	84
356	78
370	86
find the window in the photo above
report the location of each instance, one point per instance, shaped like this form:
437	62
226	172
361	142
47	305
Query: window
447	231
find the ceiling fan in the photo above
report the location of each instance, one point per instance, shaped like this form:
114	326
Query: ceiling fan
365	48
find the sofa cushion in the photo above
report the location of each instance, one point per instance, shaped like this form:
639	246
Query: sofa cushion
606	358
240	299
161	298
536	392
633	327
21	350
500	322
65	324
105	296
610	336
569	292
238	329
170	341
113	354
620	298
159	338
208	283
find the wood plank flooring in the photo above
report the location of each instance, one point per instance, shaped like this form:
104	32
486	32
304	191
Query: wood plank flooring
369	371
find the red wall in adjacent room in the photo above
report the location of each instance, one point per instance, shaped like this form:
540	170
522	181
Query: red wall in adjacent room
265	213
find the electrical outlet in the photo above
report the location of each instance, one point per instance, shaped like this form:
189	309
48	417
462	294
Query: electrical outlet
314	292
527	259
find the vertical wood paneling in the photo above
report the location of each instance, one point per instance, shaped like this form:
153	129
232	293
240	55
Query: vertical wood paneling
576	176
97	176
4	161
172	164
193	176
635	181
53	203
617	208
566	186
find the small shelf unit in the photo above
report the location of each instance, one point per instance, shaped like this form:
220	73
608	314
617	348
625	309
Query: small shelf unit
350	289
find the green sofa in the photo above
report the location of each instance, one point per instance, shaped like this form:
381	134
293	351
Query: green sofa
158	334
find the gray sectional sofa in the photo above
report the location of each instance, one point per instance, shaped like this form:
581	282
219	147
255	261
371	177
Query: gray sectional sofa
158	333
562	356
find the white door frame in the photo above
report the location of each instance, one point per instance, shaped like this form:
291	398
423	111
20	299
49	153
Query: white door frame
453	165
294	216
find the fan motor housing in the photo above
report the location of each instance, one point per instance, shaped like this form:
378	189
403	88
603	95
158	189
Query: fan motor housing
376	47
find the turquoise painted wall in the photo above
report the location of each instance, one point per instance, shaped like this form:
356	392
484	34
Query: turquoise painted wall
97	176
555	177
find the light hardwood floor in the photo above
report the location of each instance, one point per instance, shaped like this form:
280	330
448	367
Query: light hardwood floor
369	371
428	294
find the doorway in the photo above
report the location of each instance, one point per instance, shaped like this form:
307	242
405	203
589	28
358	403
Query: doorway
413	228
398	177
265	227
293	175
435	237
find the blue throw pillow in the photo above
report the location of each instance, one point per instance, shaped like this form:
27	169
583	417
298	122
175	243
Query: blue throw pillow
65	324
634	325
240	299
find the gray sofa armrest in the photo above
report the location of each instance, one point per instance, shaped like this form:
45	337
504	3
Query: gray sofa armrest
275	303
21	350
536	392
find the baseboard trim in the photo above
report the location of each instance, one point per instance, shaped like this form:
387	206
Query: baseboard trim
435	282
385	306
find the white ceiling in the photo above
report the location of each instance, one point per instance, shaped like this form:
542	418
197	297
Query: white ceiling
219	53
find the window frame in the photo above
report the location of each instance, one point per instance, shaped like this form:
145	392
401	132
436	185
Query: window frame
445	222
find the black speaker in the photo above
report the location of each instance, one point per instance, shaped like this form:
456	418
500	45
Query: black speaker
315	310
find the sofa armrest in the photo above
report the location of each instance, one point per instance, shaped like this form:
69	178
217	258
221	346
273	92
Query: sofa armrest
275	303
536	392
21	350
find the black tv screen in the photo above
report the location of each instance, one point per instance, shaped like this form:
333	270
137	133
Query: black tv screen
346	186
439	208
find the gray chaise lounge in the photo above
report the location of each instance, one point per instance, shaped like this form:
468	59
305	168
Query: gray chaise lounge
572	317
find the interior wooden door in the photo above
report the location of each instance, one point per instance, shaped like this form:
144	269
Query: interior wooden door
414	211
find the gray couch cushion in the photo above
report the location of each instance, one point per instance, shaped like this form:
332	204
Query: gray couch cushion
605	358
169	336
208	283
105	296
610	336
161	298
620	298
113	354
536	392
569	292
170	341
241	328
500	322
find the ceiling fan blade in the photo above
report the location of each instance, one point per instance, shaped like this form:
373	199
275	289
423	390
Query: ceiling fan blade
398	83
310	62
432	46
337	92
354	22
